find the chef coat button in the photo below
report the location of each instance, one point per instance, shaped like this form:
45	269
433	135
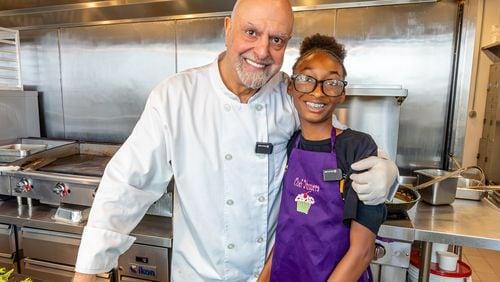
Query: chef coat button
229	202
260	240
262	199
228	157
259	107
230	246
227	107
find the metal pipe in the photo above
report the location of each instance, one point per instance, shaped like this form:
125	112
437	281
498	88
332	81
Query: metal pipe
449	131
425	262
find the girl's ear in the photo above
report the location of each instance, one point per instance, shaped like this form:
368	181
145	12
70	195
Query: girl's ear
288	81
342	98
290	87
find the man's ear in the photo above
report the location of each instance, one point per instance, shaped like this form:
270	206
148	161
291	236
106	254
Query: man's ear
227	28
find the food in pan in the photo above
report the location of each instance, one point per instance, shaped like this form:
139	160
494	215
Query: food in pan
401	196
404	200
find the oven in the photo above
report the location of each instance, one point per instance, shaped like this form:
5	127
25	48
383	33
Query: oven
51	255
144	263
55	188
8	252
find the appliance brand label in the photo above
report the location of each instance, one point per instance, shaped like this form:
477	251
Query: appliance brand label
137	269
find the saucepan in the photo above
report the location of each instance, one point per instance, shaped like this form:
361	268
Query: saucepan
436	186
404	199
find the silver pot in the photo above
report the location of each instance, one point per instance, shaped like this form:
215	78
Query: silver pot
440	193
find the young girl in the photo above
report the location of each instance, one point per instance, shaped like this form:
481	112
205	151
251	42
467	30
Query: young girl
324	232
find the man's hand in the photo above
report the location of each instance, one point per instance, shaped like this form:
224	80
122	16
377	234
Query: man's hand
81	277
373	185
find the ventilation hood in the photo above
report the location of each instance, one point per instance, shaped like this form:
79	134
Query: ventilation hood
35	14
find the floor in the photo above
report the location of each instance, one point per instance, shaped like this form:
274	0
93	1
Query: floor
485	264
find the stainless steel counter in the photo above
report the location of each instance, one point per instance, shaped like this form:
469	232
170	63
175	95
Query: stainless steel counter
463	223
399	229
152	230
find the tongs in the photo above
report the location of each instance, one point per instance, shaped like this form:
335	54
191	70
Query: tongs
459	165
438	179
434	180
485	187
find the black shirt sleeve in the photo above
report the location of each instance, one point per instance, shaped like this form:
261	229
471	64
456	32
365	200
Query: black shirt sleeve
352	146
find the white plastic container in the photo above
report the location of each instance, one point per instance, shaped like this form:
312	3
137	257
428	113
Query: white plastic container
447	260
413	276
437	247
462	272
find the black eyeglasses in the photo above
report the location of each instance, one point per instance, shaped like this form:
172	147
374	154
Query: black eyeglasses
330	87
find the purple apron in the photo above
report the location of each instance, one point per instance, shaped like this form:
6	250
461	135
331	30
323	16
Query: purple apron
310	237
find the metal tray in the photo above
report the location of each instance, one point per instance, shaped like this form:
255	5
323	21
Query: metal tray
470	194
21	150
463	192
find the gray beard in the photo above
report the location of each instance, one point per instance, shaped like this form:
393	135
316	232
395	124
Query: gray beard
252	80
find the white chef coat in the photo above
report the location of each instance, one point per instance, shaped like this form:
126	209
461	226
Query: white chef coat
227	196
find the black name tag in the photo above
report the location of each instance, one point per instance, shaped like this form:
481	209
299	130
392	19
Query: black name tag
263	148
334	174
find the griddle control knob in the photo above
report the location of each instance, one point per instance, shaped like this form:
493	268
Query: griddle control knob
61	189
379	251
24	185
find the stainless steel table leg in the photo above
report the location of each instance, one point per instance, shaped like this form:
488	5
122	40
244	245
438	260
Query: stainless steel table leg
425	262
458	250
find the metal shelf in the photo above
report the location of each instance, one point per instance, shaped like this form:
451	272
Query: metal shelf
10	79
7	42
492	51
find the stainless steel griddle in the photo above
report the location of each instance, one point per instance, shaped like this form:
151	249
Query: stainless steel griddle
80	164
69	176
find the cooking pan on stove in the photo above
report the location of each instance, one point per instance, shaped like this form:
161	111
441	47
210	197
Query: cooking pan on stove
404	200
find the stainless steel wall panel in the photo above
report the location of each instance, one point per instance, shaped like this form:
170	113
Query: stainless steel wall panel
199	41
40	71
307	23
410	45
464	77
56	13
108	73
108	70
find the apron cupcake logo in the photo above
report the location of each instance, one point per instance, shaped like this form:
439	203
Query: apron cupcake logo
304	202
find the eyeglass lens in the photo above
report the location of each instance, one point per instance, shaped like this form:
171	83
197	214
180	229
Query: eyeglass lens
307	84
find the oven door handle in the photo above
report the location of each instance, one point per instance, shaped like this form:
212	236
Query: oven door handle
36	264
5	229
51	236
130	279
8	231
49	265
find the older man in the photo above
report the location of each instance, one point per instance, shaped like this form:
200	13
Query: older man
202	126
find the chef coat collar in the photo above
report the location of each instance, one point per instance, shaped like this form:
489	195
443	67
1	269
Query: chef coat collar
258	97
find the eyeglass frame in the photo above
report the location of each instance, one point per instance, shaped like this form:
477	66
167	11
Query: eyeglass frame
294	76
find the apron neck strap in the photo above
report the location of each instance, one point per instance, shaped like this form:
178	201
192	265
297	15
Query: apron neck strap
333	138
